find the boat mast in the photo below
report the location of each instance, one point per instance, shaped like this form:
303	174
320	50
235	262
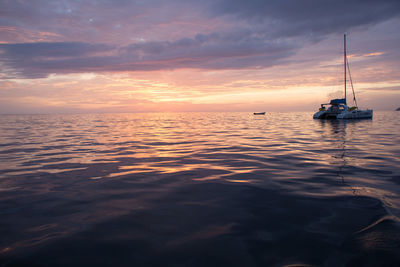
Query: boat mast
345	61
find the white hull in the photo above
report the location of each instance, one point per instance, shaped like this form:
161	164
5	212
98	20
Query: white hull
344	114
318	114
356	114
325	115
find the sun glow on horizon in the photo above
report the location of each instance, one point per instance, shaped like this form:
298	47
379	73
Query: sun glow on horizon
140	92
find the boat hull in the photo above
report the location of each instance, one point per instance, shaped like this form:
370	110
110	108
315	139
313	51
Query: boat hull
356	114
344	115
325	115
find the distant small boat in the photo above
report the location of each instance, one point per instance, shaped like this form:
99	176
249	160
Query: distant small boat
259	113
338	107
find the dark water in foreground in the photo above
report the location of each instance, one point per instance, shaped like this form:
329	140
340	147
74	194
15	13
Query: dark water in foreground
199	189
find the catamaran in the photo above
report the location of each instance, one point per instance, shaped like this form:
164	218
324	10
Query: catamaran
338	108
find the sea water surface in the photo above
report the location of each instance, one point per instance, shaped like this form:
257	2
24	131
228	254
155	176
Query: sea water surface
199	189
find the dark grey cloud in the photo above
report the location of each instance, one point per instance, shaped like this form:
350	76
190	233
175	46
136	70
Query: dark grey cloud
276	18
318	17
34	60
247	34
213	51
56	49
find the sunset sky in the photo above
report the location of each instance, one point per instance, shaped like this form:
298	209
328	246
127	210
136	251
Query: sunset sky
184	55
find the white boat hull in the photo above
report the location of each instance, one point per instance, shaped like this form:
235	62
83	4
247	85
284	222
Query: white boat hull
356	114
319	114
325	115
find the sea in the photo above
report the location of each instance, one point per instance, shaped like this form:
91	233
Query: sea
199	189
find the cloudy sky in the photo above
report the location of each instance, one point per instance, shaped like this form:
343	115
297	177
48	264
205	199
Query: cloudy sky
186	55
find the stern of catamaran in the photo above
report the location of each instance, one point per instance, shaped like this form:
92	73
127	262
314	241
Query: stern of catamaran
337	106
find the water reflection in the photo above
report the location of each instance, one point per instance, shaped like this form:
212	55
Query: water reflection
338	129
231	185
353	166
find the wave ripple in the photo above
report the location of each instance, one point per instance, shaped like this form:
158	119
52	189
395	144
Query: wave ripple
199	189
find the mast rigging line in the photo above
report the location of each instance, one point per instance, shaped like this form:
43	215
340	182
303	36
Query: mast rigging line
351	82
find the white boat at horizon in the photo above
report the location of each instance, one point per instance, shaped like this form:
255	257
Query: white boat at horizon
338	107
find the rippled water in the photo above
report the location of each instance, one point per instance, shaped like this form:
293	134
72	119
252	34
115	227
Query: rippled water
199	189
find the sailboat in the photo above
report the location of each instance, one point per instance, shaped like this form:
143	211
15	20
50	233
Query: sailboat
338	108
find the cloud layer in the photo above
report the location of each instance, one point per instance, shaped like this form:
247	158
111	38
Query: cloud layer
107	36
313	17
37	60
